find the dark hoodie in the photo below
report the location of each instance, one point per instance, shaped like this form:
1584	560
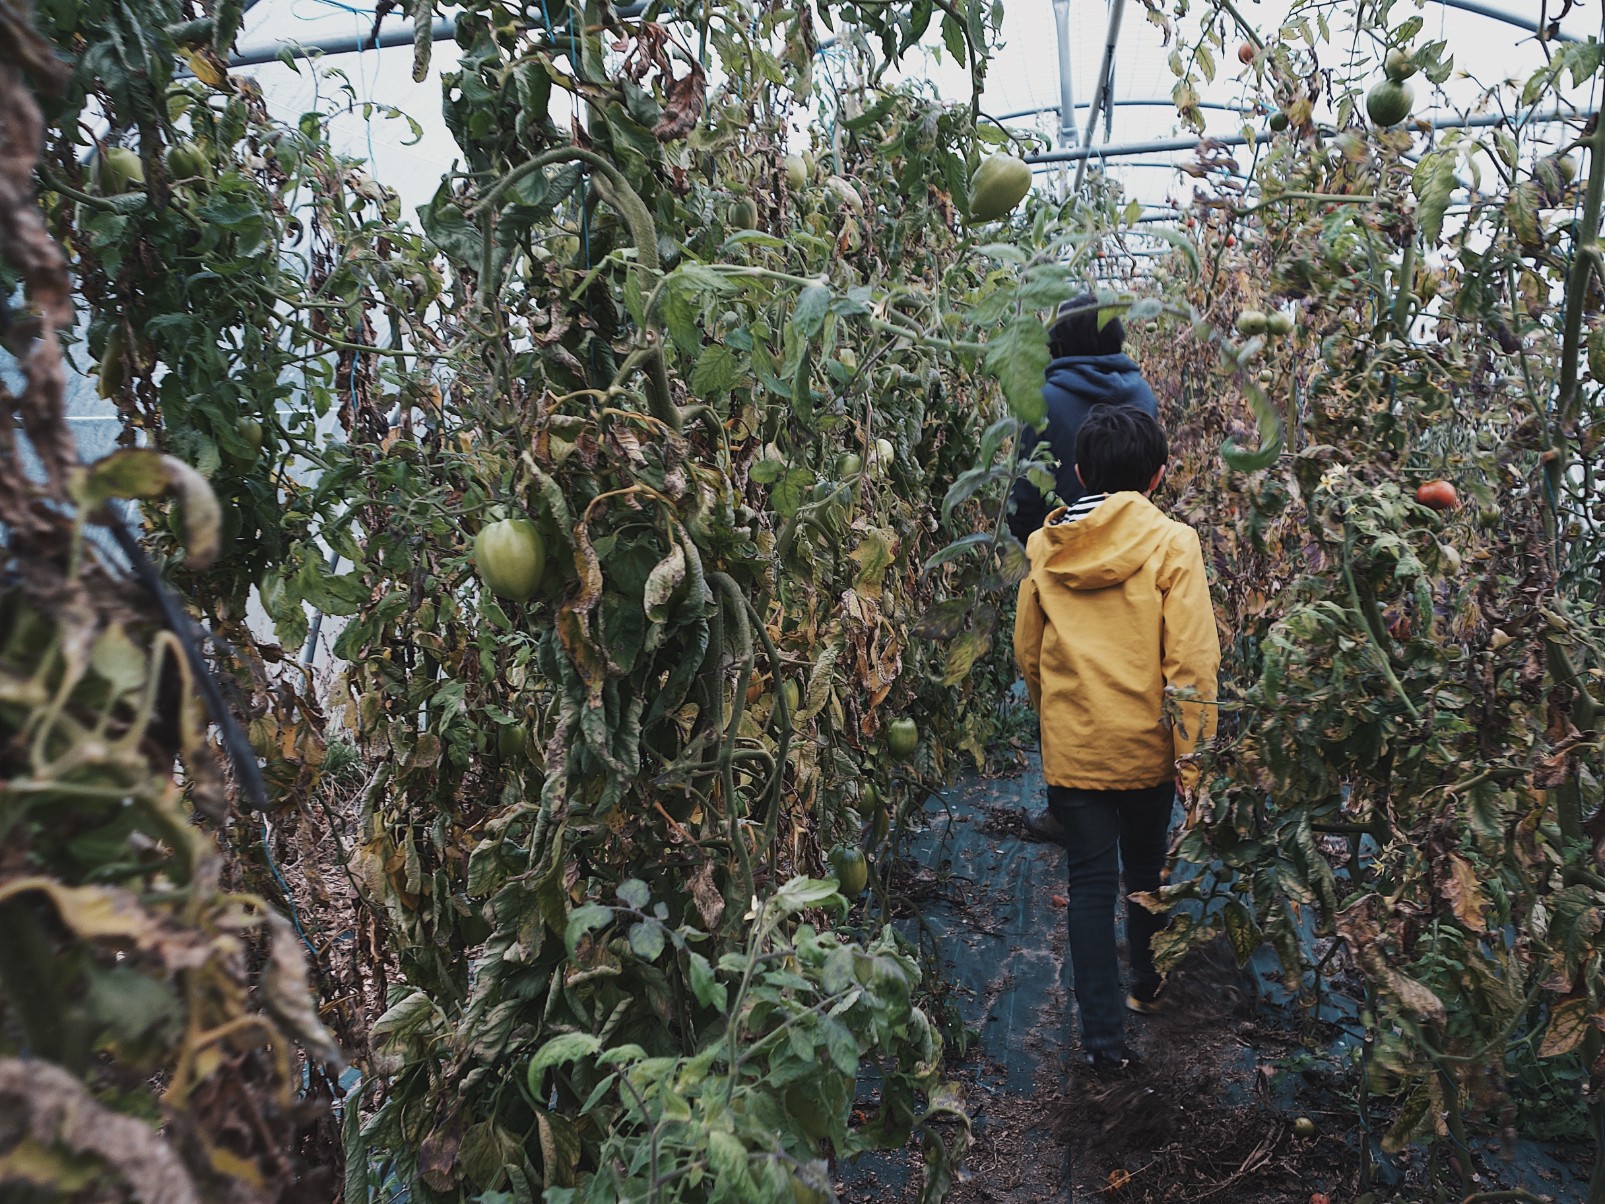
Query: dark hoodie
1074	385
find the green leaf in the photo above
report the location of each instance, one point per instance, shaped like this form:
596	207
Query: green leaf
709	991
1270	431
992	440
968	484
791	491
561	1049
717	369
808	316
1018	357
646	940
801	893
953	39
957	548
634	893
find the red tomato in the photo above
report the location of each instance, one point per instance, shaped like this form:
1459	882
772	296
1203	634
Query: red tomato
1438	495
1245	53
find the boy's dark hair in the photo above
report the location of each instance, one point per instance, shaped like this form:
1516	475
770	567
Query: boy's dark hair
1119	448
1076	331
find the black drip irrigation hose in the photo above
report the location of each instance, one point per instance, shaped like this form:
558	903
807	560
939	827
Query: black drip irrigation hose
247	773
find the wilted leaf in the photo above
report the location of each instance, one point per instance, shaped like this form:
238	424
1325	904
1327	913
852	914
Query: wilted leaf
487	1151
1521	210
289	995
943	621
662	582
683	102
1241	931
560	1146
1413	1118
967	648
140	472
1433	182
874	555
44	1104
1568	1025
92	912
1464	893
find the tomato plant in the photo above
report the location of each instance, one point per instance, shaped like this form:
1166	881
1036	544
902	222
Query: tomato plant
629	435
1409	764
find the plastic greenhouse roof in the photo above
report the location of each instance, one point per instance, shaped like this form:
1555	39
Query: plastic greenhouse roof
1022	85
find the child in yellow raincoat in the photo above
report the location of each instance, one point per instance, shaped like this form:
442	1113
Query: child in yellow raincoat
1116	609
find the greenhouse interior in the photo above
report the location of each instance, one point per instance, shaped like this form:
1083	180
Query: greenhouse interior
864	600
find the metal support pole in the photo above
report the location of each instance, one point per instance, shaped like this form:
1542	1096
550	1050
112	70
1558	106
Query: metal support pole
1101	96
1067	96
1128	149
442	30
1520	21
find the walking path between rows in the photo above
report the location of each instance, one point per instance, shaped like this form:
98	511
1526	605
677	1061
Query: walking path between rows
1227	1071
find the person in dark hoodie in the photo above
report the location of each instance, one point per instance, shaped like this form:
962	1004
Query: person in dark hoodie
1088	369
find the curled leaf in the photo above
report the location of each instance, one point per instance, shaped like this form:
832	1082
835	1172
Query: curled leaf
140	472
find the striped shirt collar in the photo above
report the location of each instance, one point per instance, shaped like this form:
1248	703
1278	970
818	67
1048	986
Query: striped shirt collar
1080	508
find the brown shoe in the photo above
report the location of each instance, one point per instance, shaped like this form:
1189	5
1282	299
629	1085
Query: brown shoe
1145	999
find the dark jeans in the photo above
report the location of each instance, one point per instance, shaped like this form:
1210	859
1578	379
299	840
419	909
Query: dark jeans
1106	830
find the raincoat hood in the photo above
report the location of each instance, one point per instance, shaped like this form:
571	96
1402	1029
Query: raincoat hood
1099	380
1104	547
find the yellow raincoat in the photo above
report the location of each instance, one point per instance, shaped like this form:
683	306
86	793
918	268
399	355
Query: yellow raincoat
1115	610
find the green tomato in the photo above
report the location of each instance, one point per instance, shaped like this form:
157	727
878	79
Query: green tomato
1398	66
119	170
1251	321
1279	322
249	429
187	161
510	556
851	869
796	173
902	738
1389	102
850	465
510	740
